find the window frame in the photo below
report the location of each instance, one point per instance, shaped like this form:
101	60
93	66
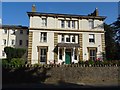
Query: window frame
20	42
92	40
91	24
44	22
42	37
62	23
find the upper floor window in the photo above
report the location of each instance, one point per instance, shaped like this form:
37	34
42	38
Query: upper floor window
68	23
73	38
73	24
68	39
12	42
62	38
27	31
91	24
4	41
43	37
44	21
21	31
3	53
12	31
5	31
91	38
20	42
62	24
26	42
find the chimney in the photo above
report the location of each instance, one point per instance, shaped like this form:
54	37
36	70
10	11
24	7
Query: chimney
33	8
96	12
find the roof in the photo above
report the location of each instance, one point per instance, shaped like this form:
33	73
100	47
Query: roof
15	26
65	15
68	45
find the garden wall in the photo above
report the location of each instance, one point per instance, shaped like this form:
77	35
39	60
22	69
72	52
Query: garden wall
63	73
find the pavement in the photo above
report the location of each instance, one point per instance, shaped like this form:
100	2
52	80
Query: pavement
59	85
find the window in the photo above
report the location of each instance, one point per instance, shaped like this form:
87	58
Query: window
92	53
91	24
27	31
44	21
73	38
21	31
73	24
68	24
60	54
3	53
12	42
75	54
62	38
13	32
20	42
43	54
43	37
5	31
62	24
26	42
4	41
91	38
68	39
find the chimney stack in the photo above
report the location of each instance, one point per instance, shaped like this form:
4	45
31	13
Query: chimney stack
33	8
96	12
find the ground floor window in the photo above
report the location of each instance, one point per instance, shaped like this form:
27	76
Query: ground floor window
60	54
43	54
75	54
92	53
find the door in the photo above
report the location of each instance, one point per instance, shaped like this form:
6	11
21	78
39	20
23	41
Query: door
43	55
67	57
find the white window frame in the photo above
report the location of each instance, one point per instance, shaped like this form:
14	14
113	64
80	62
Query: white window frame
12	42
4	41
5	31
42	37
68	24
62	23
44	22
91	38
73	24
91	24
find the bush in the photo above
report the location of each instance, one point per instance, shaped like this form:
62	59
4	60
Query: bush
5	62
17	62
14	52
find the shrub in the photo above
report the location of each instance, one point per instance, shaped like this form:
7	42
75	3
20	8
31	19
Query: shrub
14	52
5	62
17	62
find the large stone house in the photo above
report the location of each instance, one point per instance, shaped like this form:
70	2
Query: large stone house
13	36
65	38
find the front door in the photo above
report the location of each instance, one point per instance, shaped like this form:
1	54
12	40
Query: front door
67	57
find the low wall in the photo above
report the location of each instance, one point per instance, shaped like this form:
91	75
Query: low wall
84	74
55	74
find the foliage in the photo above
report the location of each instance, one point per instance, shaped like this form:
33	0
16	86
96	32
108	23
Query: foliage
14	52
17	61
111	49
5	62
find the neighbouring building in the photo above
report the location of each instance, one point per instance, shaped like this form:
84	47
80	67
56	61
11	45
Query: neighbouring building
65	38
13	36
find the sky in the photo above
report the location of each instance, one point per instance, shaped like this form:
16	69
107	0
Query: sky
15	13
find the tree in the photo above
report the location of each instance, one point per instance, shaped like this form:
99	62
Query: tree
110	43
14	52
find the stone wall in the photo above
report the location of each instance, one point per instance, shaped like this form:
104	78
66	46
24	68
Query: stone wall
63	73
84	74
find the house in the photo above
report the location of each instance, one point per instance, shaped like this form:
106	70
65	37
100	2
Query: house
13	36
65	38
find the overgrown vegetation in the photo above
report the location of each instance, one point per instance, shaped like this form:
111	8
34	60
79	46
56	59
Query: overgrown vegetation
14	52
